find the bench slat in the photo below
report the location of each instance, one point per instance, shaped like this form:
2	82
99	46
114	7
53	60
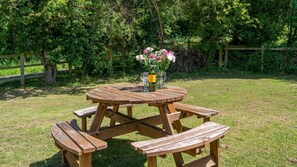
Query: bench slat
187	144
83	143
86	112
97	143
193	138
200	111
204	128
64	141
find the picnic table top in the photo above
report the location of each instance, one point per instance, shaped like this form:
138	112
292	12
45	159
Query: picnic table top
134	94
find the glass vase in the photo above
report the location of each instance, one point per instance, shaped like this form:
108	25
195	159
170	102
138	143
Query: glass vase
161	77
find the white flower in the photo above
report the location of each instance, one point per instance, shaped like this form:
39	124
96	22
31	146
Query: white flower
171	57
140	57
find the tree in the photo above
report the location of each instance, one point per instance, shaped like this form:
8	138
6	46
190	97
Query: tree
214	22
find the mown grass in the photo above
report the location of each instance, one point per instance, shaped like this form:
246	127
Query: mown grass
260	109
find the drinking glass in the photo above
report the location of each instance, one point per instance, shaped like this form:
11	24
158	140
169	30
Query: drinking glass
143	77
161	77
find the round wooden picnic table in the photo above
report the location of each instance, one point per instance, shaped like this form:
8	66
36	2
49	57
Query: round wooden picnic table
117	95
134	94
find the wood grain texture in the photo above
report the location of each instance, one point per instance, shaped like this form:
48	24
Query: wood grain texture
196	110
64	141
132	94
193	138
76	137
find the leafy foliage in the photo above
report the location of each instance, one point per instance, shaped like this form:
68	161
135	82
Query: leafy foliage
88	32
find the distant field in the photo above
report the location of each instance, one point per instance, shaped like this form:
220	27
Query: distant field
261	111
28	70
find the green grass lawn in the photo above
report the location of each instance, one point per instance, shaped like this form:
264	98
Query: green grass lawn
261	111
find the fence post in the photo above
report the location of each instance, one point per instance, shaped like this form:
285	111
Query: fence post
226	57
69	67
189	44
22	62
220	57
262	58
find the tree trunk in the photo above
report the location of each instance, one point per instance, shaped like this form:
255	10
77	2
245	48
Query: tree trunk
160	31
50	69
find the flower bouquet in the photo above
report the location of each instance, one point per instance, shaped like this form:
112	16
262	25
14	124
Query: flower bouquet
155	63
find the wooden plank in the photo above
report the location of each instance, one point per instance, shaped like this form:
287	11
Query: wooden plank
77	138
151	131
208	127
153	120
226	58
152	161
128	99
22	68
140	96
116	110
250	48
262	58
105	97
169	129
71	159
188	143
18	54
97	121
200	111
215	151
64	141
113	95
9	67
85	112
98	144
85	160
176	123
166	120
100	99
116	130
207	161
171	97
220	57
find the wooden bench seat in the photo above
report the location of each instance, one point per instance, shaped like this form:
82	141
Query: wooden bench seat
200	112
207	133
72	142
88	112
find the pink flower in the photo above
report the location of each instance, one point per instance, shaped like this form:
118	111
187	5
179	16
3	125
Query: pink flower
159	58
152	56
165	52
146	50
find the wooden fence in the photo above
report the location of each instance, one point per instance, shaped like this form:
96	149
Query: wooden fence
22	67
223	52
247	48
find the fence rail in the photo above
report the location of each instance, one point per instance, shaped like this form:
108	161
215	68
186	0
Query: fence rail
247	48
22	67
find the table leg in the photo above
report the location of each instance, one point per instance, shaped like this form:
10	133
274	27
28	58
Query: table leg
176	124
98	118
164	111
116	110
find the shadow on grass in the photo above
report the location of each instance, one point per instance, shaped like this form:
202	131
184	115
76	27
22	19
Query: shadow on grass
118	154
64	85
